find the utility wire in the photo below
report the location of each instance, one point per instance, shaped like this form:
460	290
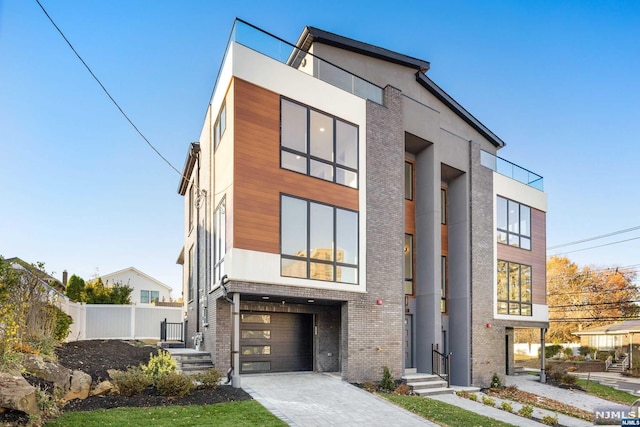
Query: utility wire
598	246
106	91
588	239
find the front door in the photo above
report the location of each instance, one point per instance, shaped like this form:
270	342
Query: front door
408	341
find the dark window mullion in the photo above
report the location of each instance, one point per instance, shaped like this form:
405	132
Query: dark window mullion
308	239
335	222
333	156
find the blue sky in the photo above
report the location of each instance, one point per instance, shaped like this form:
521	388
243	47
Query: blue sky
81	191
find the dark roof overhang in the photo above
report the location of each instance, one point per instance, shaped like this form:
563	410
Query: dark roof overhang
311	35
189	163
446	99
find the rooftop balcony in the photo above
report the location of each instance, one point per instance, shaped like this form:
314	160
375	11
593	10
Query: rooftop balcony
511	170
282	51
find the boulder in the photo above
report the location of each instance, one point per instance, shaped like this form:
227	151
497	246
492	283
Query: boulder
102	389
17	394
48	370
80	386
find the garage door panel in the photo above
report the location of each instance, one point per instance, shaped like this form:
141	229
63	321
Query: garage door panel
276	342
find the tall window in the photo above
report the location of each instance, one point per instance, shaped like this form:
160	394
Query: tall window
318	241
317	144
190	290
219	240
443	284
514	223
443	206
408	180
514	288
220	124
190	208
408	264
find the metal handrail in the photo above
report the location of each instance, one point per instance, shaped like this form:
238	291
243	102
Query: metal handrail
438	360
171	331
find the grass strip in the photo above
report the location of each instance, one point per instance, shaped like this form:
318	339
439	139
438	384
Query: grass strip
607	393
245	413
443	413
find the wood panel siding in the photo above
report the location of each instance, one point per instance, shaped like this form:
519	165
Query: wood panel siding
258	178
536	257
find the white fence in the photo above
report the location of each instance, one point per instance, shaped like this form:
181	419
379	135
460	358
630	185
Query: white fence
110	321
532	349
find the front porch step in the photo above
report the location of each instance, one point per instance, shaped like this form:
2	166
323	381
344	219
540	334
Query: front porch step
427	384
518	370
189	361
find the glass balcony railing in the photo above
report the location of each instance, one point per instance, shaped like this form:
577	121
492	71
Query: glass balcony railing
511	170
274	47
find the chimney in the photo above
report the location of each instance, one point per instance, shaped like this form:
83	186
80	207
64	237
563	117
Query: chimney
64	278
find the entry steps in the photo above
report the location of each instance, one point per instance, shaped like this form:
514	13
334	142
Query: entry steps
190	361
426	385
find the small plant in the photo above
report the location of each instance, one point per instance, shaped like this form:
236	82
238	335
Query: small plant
130	382
370	386
506	406
47	403
495	381
550	420
489	401
159	365
209	379
568	351
387	382
569	379
472	396
402	390
63	324
174	384
526	411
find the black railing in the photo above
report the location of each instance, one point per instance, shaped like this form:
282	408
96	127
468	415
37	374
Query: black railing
171	331
441	364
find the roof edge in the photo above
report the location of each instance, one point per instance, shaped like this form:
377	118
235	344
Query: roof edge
190	161
443	96
311	34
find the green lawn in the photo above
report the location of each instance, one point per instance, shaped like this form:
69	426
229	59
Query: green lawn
443	413
245	413
608	393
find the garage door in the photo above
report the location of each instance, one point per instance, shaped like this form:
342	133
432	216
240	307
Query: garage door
275	342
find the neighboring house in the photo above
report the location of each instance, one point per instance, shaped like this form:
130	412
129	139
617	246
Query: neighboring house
45	278
612	336
358	216
146	289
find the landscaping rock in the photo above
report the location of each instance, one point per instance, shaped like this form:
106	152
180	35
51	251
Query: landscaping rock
48	370
80	386
102	389
17	394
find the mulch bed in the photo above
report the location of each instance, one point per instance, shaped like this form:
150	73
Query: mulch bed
95	357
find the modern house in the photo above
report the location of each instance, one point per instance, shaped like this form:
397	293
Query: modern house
344	213
146	289
612	336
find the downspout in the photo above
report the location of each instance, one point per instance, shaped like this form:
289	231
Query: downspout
235	381
197	251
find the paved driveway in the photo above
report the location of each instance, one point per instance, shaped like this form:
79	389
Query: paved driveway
308	399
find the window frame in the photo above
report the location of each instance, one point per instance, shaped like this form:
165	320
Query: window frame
220	124
444	285
514	234
307	259
409	279
510	302
310	158
409	165
191	282
219	239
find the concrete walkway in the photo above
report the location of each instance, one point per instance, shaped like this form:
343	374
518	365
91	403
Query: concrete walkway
309	399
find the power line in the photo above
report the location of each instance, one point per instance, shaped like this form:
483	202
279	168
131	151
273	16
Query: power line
598	246
588	239
106	91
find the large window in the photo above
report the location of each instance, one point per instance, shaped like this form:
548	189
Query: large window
514	288
318	241
219	240
408	264
317	144
514	223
